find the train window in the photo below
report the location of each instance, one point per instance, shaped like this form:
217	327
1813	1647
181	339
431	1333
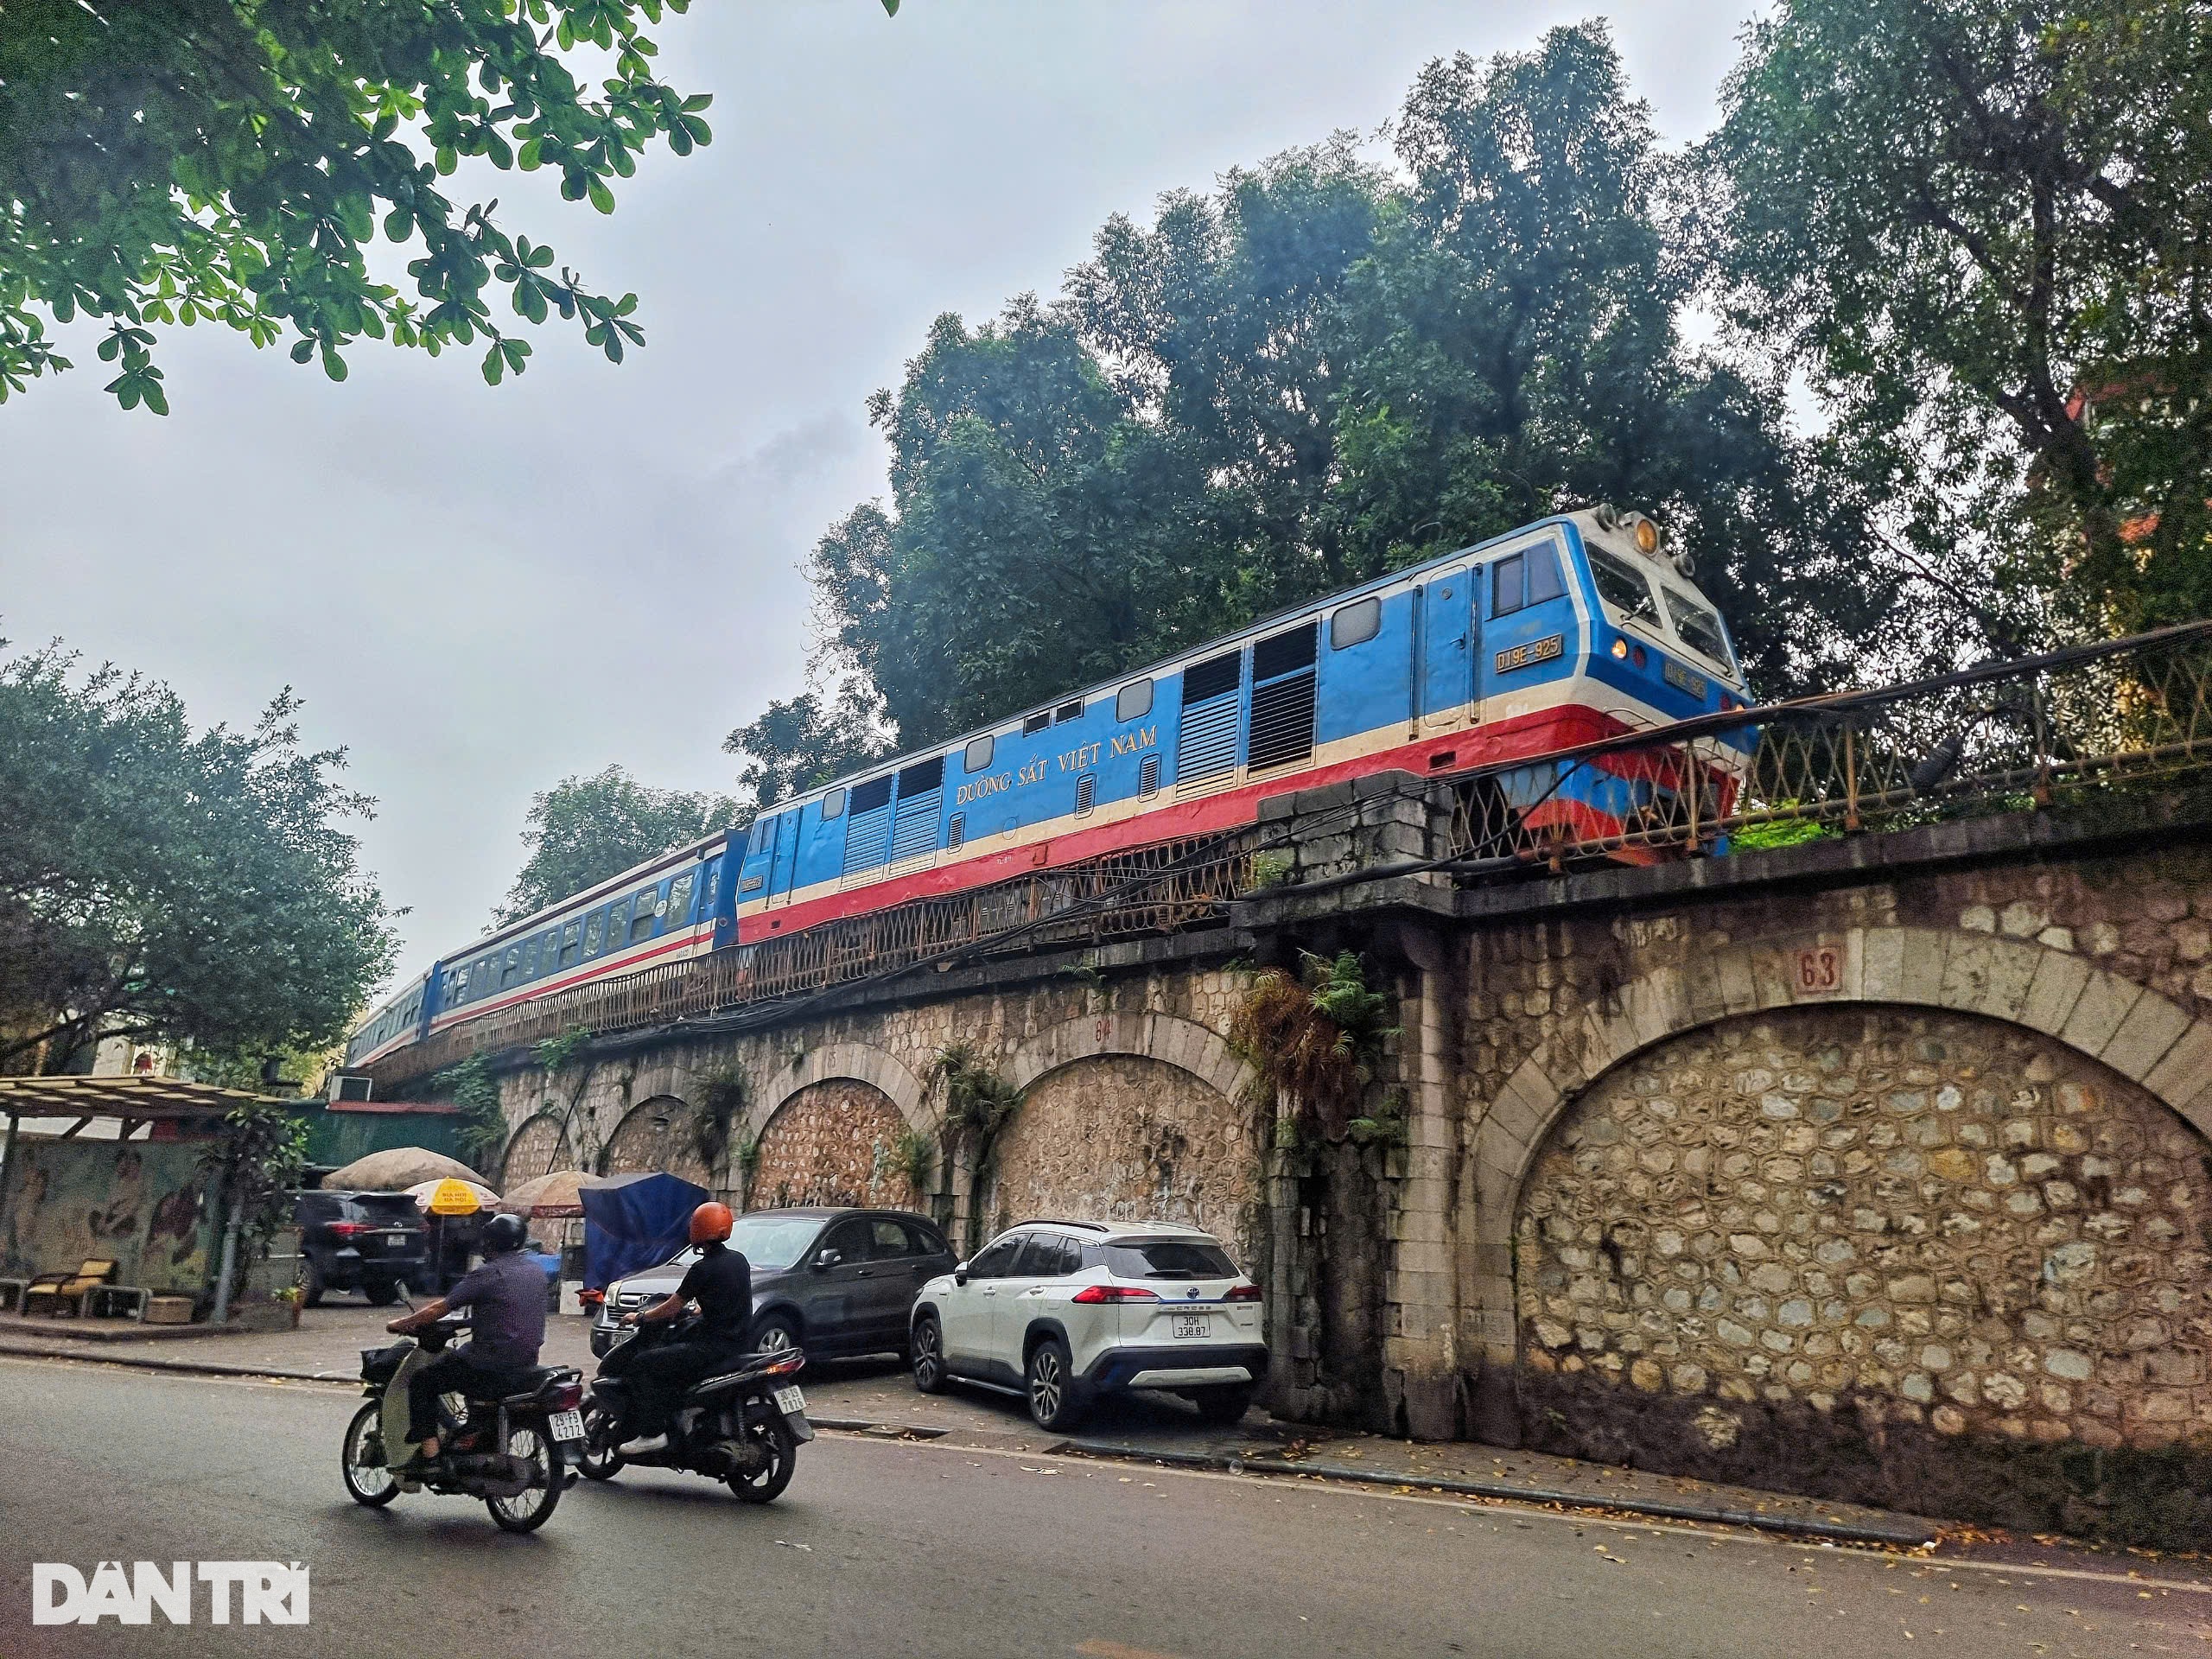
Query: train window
1068	711
530	958
714	879
1545	581
511	966
479	977
1211	678
833	805
1699	627
571	947
618	925
1036	724
956	832
549	954
594	931
1619	582
1505	587
979	753
641	914
871	794
679	900
1133	701
1354	624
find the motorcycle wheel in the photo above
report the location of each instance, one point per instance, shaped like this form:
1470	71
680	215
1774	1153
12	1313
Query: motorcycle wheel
783	1459
599	1460
533	1507
361	1461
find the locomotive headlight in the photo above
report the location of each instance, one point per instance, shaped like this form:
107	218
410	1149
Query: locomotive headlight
1620	647
1647	534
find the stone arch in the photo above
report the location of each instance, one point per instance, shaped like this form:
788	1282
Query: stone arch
2144	1036
860	1062
1165	1036
655	1135
539	1145
832	1141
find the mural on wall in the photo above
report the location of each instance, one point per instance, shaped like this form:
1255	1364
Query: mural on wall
140	1204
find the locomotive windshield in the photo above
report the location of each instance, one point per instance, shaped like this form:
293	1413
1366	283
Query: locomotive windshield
1619	582
1697	625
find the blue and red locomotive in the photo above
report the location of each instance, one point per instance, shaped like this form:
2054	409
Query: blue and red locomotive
1574	629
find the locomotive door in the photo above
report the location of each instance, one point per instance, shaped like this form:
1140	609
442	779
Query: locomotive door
1447	626
783	871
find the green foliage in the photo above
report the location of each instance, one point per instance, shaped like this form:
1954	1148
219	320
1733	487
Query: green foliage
584	830
1316	374
161	884
555	1052
912	1154
1313	1041
1386	1127
978	1102
1982	229
1272	869
1781	832
803	743
258	1161
721	1100
473	1086
187	161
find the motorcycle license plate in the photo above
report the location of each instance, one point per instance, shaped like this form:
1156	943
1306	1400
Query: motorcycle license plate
1193	1325
567	1425
791	1402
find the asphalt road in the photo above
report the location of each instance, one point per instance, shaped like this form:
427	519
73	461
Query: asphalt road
914	1549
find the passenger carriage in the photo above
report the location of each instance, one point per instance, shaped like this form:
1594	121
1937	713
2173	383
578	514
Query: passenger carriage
1571	630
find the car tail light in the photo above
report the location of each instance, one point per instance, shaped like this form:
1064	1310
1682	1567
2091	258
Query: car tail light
1243	1293
1095	1294
350	1228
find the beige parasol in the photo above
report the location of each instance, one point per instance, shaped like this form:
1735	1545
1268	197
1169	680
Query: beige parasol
558	1194
394	1170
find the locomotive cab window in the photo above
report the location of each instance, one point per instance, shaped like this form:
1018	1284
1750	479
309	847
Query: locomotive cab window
1524	579
833	805
1354	624
1620	584
1699	627
1133	701
979	753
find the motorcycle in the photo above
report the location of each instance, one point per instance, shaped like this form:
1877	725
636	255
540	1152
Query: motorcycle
512	1451
742	1427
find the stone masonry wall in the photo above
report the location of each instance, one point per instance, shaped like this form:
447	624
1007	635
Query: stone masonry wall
1959	1218
833	1142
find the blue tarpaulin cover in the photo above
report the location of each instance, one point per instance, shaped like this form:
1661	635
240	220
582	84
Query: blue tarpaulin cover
636	1221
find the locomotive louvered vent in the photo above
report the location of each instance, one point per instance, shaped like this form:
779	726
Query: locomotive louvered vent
1205	748
1283	698
867	826
1086	791
1148	776
913	827
957	831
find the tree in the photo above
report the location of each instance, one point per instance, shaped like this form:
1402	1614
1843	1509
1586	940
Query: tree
1983	230
585	830
162	884
803	743
232	162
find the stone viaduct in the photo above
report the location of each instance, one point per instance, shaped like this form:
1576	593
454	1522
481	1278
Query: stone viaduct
1876	1164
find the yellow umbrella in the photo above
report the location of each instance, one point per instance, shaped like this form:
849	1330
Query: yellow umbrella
452	1196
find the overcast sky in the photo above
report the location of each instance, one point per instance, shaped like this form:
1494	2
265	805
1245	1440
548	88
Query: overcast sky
480	591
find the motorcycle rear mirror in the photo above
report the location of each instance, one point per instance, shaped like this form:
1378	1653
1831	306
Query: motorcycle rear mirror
827	1258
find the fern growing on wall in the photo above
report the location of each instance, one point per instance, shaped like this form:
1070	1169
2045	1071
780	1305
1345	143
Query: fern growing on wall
1314	1038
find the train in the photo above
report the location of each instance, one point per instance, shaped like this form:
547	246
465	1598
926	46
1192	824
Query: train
1578	627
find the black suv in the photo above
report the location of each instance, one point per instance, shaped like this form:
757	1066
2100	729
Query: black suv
369	1242
831	1281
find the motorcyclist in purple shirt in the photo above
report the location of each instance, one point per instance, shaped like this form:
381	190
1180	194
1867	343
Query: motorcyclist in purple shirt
504	1296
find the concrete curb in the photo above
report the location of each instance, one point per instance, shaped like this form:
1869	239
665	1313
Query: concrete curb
1909	1532
190	1367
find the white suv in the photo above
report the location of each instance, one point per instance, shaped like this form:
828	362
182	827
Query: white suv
1061	1312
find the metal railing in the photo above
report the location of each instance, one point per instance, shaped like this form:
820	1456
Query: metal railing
2068	727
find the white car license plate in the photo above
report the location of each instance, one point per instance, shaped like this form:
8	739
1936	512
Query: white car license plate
1193	1325
567	1425
790	1402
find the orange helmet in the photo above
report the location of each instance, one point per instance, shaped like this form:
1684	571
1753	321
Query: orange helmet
709	1221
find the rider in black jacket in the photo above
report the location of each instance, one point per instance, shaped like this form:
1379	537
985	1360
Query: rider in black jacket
720	1283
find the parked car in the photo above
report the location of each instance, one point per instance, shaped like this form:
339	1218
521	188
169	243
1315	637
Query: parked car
833	1282
1064	1312
370	1242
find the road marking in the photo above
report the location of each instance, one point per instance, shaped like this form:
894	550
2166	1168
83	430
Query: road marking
1099	1648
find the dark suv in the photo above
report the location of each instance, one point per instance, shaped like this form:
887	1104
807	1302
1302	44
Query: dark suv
369	1242
831	1281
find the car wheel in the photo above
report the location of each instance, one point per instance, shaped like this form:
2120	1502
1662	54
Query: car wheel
775	1334
928	1354
311	1285
1223	1406
381	1292
1050	1377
